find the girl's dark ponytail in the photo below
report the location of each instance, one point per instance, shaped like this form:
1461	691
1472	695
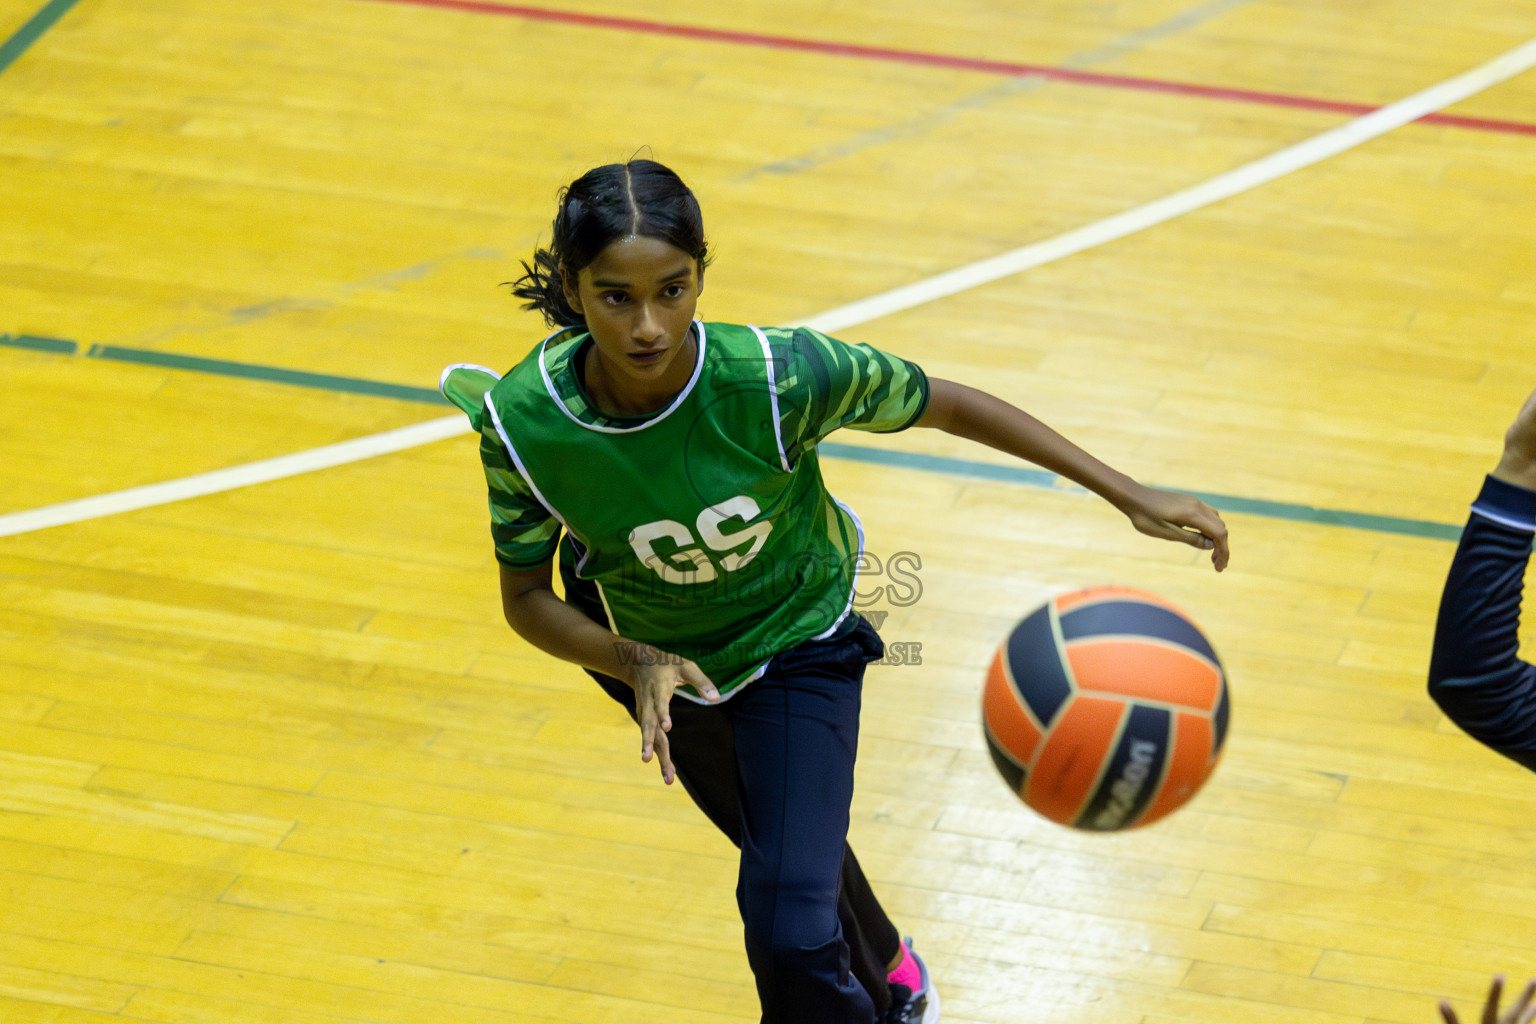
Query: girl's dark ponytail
541	288
639	198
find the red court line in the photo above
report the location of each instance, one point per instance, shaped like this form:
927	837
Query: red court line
718	35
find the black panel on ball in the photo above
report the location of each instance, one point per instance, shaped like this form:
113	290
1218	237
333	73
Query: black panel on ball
1129	784
1135	618
1035	662
1219	721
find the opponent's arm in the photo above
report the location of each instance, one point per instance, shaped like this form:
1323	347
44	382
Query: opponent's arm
1521	1012
537	614
1476	675
1517	464
977	416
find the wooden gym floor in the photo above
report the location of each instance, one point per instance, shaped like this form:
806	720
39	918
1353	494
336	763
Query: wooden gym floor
269	755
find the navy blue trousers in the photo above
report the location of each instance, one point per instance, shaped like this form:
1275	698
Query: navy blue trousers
1475	672
772	767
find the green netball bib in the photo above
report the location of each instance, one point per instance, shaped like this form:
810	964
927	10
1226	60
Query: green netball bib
701	536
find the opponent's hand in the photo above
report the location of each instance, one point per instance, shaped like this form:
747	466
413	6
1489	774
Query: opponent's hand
655	676
1518	463
1522	1012
1180	517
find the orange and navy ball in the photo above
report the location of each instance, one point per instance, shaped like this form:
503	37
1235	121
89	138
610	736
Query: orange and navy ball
1105	709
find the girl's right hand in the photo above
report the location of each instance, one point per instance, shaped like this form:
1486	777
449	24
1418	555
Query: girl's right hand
655	675
1170	515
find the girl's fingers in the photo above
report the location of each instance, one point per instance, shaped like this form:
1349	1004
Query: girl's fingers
664	756
1198	532
647	738
654	712
1187	519
655	723
1209	533
653	743
701	682
1221	552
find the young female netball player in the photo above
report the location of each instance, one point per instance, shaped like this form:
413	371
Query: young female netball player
672	465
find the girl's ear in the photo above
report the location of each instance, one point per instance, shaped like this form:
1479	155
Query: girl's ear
568	286
700	289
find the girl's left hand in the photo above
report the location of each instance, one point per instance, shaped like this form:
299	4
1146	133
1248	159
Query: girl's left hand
1170	515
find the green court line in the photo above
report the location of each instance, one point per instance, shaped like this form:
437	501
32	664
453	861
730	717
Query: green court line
941	464
275	374
33	30
38	344
1223	502
1333	517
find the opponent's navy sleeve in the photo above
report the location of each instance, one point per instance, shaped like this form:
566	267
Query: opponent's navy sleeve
1475	672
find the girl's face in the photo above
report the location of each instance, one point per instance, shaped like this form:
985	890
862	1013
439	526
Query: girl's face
638	298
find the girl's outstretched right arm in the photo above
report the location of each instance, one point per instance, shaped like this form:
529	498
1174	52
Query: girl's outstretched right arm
978	416
537	614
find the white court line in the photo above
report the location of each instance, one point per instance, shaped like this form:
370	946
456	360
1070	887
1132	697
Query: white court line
1305	154
236	476
1224	186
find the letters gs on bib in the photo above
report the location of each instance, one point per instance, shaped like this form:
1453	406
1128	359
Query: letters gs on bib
688	563
728	535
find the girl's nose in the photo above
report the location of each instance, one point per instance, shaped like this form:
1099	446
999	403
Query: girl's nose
647	326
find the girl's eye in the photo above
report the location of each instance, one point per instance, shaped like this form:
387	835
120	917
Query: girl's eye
614	298
675	291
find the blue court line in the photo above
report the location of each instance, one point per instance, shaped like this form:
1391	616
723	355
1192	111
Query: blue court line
33	30
940	464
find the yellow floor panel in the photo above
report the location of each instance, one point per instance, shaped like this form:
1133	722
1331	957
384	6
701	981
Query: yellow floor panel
271	756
